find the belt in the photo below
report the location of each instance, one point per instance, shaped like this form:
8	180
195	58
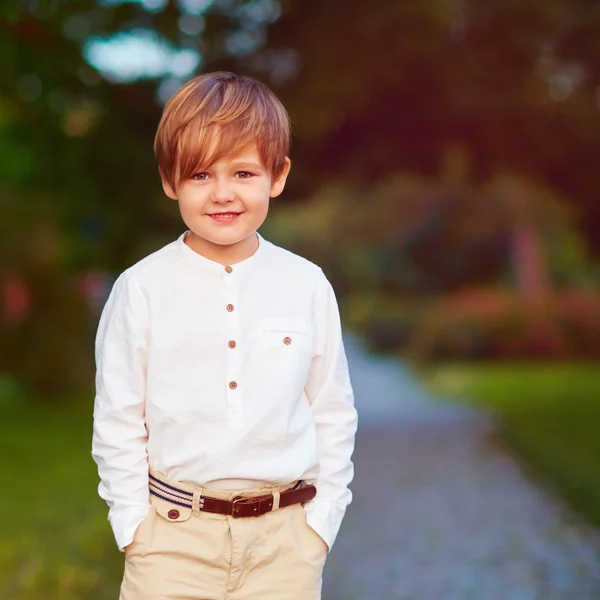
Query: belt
240	506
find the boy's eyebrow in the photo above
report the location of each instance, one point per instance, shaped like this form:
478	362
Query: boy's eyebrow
247	164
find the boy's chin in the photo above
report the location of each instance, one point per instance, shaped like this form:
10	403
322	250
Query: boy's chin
223	239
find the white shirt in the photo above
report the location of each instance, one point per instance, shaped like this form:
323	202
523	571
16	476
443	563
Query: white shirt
224	377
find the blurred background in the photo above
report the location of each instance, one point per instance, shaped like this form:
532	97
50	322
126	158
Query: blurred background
445	176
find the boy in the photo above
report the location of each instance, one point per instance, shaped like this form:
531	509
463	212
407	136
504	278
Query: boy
224	420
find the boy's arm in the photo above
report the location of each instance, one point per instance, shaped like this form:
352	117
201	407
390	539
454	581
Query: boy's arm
120	435
330	393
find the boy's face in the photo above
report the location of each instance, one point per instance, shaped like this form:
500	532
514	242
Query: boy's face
224	205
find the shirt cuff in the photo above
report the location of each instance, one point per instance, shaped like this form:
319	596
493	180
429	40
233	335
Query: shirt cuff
125	521
325	518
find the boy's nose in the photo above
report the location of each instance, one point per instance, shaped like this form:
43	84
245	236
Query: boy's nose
223	192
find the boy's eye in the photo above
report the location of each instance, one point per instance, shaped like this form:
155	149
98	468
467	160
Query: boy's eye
244	174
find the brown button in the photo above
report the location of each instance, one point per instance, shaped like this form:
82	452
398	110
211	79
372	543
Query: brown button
228	269
173	514
230	307
232	344
287	341
232	385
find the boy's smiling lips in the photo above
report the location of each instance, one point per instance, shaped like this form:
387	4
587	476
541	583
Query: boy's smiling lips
225	216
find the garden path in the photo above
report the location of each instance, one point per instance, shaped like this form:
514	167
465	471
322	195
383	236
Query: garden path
442	511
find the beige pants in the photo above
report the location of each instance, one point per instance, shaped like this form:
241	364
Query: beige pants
204	556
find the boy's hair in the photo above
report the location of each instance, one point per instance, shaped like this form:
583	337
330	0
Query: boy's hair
215	115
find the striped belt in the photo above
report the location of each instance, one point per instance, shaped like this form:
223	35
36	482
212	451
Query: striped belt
240	506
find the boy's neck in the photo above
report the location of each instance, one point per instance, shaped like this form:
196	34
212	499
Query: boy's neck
225	255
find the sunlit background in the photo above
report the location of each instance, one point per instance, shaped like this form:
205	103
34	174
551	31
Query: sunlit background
445	177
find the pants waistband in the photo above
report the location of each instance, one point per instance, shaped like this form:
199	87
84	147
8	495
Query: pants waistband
156	477
243	503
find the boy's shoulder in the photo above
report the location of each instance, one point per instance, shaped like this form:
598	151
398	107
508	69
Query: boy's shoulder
289	262
153	265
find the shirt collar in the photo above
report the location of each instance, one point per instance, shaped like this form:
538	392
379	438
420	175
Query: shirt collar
215	266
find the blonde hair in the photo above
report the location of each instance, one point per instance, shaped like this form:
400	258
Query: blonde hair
215	115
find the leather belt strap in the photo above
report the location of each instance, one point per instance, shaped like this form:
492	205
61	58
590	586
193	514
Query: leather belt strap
239	507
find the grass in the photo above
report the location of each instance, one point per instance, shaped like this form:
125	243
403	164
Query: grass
549	414
55	540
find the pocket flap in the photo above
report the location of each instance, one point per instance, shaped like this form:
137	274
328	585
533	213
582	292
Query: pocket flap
289	324
173	512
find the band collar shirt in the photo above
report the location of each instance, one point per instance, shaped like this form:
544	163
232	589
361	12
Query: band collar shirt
224	376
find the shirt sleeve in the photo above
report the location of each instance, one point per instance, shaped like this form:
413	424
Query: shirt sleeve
119	435
330	393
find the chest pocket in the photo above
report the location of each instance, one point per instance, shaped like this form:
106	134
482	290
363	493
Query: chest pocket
280	363
283	333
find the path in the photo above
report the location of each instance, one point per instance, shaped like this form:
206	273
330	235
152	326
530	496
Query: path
441	512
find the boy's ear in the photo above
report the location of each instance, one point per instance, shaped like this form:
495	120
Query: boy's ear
169	191
278	184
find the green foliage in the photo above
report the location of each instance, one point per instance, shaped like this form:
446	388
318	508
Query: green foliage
425	235
549	414
405	234
51	350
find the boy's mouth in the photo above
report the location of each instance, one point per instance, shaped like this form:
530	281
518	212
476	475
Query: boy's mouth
224	217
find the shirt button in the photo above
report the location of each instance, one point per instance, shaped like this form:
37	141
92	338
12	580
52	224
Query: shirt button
232	344
230	307
228	269
232	385
173	514
287	341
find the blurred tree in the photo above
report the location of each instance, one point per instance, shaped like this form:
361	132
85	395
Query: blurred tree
373	88
62	151
532	211
378	86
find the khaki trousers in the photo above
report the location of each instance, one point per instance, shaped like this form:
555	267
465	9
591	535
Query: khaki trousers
204	556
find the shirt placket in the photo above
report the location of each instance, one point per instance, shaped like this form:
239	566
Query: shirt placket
233	386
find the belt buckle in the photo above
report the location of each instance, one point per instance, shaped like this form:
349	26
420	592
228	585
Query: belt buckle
234	505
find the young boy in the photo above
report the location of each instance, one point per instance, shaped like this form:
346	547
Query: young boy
224	420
